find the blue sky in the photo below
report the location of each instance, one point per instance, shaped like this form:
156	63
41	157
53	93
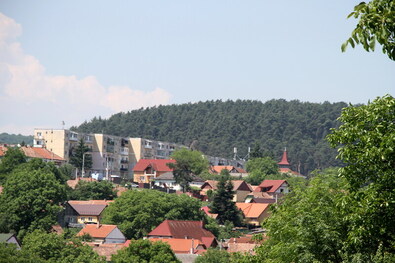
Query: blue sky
73	60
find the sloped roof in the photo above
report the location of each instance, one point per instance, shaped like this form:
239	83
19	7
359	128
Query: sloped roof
34	152
158	164
237	185
206	210
284	159
183	229
89	208
252	210
272	185
165	176
97	231
218	168
180	245
42	153
288	170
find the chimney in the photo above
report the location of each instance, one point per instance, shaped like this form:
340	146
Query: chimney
202	224
192	247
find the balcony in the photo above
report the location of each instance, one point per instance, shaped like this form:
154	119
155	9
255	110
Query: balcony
124	161
124	151
73	137
123	169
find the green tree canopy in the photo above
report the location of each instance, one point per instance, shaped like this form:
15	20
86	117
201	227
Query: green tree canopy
93	191
56	249
188	164
30	200
145	251
138	212
259	168
10	253
12	158
366	141
309	225
376	23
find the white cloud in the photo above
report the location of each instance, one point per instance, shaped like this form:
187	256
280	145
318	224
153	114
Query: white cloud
24	82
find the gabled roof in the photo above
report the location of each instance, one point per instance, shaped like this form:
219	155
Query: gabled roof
252	210
218	168
34	152
42	153
89	208
159	165
97	231
271	185
240	185
181	245
183	229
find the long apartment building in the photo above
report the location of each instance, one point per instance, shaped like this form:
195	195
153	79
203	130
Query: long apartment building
111	155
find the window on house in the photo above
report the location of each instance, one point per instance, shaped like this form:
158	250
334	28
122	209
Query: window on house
90	219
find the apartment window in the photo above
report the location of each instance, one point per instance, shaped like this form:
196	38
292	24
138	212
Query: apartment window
38	133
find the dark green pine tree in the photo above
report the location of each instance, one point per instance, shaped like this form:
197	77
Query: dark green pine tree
223	204
77	157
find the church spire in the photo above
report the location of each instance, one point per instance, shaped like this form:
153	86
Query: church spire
284	160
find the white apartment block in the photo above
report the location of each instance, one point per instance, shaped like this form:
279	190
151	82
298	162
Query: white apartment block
111	155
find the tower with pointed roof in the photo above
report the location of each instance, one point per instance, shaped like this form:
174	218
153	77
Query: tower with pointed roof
284	164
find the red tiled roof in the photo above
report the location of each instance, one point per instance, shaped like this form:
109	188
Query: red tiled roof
180	245
42	153
252	210
183	229
97	231
273	185
284	159
35	152
158	164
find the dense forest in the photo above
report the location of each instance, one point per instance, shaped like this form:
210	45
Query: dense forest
15	139
218	126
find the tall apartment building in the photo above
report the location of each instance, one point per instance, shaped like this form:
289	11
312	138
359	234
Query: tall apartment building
111	155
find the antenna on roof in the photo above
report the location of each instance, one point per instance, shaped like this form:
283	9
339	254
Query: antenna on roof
63	125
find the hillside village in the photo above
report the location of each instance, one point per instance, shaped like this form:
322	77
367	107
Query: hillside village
137	164
81	197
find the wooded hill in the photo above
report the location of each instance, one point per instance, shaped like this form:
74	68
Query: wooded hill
218	126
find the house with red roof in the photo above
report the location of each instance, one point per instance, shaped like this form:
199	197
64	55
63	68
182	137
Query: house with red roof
103	233
34	152
183	229
275	188
78	213
240	187
147	169
254	213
